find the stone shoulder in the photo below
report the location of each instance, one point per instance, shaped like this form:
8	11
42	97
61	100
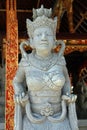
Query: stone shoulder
61	61
24	61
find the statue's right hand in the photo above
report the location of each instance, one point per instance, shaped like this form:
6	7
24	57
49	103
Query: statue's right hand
18	97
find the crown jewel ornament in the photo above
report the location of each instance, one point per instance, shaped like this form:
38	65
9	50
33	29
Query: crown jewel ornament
41	18
42	11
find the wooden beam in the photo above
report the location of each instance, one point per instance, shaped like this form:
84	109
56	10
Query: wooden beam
59	9
71	35
18	10
38	3
61	36
84	16
72	47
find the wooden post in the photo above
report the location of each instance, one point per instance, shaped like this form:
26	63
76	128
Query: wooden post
11	60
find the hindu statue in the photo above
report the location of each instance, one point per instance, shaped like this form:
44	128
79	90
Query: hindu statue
43	99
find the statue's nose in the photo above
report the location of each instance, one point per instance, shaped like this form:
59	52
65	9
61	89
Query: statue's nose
43	36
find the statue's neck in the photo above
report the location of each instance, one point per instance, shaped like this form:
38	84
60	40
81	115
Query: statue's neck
43	54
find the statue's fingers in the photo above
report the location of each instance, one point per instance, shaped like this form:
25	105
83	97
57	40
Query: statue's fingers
23	94
17	99
65	97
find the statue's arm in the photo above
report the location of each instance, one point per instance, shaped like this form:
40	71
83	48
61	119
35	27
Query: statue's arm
67	88
18	83
67	85
70	98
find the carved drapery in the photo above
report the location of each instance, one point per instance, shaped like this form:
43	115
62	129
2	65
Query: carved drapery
11	60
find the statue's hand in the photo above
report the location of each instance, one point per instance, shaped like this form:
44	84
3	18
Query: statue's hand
69	98
21	98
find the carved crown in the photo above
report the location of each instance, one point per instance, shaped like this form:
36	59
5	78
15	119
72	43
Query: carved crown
42	11
41	18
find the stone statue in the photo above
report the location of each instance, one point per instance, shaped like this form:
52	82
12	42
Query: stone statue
43	105
81	103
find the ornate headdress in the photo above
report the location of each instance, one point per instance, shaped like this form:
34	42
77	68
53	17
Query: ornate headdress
41	18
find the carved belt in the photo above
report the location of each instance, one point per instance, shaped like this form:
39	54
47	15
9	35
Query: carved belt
46	113
46	109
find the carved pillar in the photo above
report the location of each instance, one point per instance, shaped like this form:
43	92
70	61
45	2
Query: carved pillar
11	60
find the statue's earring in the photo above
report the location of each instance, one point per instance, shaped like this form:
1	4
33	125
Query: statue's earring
23	51
31	43
54	46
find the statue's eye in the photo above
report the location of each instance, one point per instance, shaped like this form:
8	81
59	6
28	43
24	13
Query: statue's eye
39	34
48	34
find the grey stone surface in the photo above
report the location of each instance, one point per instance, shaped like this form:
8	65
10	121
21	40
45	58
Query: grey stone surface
2	126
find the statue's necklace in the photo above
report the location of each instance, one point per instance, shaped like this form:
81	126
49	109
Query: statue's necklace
42	63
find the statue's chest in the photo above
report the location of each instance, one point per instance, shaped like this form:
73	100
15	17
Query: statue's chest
51	79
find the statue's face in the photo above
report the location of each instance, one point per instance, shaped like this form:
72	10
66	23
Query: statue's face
43	39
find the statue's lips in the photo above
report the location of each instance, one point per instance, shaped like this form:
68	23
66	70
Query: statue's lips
44	43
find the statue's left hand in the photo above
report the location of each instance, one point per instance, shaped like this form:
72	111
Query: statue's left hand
69	98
